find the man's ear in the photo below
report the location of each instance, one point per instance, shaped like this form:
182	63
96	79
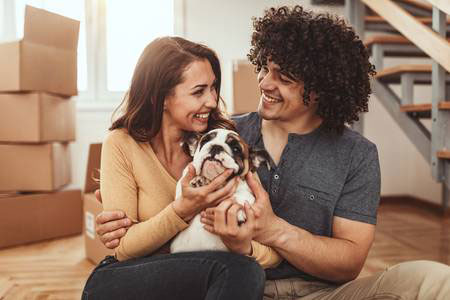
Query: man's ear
258	158
190	142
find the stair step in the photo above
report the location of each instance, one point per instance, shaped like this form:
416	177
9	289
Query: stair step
443	105
386	39
381	20
423	110
444	154
394	45
417	4
378	23
393	74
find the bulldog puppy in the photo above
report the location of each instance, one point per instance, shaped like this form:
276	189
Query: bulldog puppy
213	153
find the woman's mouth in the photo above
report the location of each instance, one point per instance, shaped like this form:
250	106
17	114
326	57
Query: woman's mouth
202	117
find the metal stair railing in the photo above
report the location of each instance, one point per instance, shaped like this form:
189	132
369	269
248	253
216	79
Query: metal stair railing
434	43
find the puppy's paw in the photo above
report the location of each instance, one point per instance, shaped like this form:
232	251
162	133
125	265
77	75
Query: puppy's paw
241	216
199	181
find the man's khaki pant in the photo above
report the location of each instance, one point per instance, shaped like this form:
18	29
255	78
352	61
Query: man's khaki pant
409	280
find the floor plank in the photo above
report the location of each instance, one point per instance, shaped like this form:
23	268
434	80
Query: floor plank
57	269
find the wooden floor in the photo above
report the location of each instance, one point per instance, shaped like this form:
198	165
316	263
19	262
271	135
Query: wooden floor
57	269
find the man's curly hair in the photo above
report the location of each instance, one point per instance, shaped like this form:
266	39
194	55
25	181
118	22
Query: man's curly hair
324	53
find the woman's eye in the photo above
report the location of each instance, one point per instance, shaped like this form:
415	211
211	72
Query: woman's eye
199	92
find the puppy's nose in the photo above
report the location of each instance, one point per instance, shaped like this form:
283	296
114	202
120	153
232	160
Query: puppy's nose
216	149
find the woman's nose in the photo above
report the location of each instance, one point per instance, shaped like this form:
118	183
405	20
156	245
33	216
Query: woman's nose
211	100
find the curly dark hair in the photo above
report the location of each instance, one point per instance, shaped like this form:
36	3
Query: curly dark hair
321	51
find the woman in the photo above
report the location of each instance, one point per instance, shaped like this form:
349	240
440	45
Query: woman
175	89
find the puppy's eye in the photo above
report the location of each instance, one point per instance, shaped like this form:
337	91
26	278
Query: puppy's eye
235	149
205	140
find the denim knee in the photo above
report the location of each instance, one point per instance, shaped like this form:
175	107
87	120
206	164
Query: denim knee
240	266
253	269
248	270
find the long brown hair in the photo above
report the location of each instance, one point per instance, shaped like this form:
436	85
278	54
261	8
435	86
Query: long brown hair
159	69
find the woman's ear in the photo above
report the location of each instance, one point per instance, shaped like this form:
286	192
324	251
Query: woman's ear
190	142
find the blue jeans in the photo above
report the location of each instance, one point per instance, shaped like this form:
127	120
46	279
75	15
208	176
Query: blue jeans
190	275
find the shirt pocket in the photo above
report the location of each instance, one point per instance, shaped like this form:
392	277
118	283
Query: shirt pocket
314	195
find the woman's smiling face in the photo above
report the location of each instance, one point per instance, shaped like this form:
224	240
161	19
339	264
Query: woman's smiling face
191	102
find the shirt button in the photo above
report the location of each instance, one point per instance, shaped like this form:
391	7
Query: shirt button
311	197
276	176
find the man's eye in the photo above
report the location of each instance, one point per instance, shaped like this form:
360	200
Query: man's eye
285	79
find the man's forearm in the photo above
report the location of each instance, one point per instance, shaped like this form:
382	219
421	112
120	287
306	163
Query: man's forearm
331	259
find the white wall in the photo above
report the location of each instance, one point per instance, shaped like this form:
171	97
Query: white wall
226	27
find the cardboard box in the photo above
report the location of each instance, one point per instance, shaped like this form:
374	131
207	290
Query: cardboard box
34	167
36	117
36	217
246	94
95	250
45	59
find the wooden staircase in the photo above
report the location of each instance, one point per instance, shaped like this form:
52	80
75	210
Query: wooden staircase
405	29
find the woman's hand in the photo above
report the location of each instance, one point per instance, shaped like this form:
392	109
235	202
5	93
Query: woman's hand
111	226
195	199
222	221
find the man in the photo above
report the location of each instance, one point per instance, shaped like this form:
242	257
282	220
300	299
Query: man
317	204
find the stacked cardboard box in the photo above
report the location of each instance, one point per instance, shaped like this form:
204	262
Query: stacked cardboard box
95	250
246	94
38	75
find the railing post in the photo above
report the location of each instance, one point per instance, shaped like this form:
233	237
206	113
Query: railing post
378	56
407	83
355	12
439	119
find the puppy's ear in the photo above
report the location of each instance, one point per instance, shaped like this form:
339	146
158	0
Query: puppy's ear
258	158
190	142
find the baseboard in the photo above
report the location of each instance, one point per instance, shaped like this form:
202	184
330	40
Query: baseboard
416	202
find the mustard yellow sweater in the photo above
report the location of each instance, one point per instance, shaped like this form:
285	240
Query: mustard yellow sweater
133	180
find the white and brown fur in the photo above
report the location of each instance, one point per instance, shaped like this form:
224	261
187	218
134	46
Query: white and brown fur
232	152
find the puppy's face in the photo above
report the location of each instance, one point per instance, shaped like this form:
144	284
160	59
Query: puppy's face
221	149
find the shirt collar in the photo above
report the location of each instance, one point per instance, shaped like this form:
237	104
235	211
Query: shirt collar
256	136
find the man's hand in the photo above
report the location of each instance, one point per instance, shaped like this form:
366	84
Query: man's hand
111	225
265	218
222	221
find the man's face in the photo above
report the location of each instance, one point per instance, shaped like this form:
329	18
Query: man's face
281	96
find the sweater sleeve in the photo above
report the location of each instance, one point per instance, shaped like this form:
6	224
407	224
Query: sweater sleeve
265	255
120	192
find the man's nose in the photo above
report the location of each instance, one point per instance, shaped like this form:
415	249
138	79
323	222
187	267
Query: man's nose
266	82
